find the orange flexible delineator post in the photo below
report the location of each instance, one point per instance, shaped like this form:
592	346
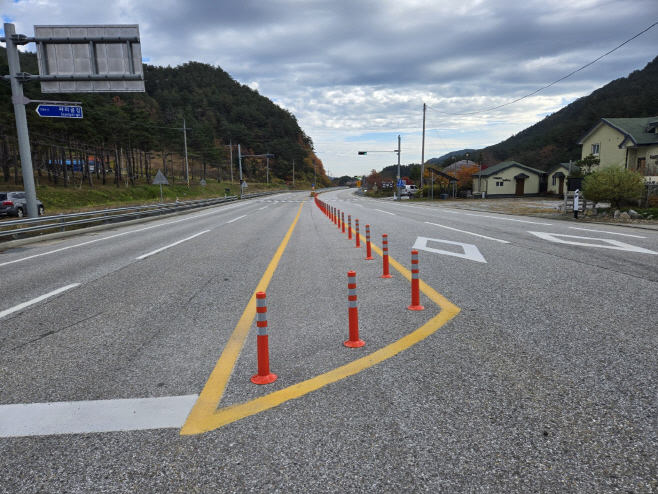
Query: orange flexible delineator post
354	341
264	375
342	217
339	213
386	274
415	283
349	227
356	234
368	247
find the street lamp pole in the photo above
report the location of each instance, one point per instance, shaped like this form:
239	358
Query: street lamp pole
422	152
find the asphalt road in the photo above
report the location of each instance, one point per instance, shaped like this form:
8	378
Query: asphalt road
531	369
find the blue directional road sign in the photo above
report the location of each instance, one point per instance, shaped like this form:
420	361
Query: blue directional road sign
400	183
59	111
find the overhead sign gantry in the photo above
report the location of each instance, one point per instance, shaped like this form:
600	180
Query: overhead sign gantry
72	59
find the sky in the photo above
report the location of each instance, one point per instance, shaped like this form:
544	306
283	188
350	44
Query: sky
356	73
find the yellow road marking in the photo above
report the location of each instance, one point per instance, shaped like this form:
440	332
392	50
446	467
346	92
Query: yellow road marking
214	389
205	416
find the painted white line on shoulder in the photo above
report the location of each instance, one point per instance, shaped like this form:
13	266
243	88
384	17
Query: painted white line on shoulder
508	219
392	214
36	300
469	233
83	417
263	208
603	231
236	219
170	245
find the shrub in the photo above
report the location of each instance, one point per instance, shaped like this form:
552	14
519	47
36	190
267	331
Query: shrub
614	184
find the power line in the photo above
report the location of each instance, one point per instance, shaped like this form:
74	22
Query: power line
551	84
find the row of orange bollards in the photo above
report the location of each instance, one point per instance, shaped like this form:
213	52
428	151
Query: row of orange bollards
264	376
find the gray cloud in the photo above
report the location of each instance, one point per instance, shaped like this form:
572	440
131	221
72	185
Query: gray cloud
358	67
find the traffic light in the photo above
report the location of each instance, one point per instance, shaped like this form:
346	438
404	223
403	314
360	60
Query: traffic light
363	152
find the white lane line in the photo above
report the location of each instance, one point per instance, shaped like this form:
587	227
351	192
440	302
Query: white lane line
469	233
80	417
111	237
508	219
236	219
392	214
36	300
603	231
170	245
263	208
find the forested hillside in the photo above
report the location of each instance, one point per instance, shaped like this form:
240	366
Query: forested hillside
554	139
143	131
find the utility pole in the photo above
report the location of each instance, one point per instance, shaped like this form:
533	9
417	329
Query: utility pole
399	177
240	164
187	172
422	152
293	172
267	168
230	142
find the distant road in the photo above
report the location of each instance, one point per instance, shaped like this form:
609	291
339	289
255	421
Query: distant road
126	354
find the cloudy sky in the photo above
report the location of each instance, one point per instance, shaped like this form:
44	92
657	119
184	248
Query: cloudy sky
356	73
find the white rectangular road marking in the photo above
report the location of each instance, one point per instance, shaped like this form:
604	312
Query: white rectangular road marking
392	214
80	417
170	245
236	219
508	219
36	300
469	233
603	231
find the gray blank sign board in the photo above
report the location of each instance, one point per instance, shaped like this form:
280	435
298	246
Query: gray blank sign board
89	58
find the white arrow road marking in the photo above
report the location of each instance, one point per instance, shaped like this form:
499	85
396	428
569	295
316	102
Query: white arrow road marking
612	244
80	417
470	251
469	233
36	300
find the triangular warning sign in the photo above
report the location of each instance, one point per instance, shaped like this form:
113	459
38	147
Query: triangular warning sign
160	179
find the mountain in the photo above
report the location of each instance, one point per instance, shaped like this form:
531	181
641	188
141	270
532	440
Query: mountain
554	139
441	159
217	110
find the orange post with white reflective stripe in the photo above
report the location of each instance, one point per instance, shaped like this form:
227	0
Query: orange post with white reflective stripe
342	217
368	247
264	375
356	234
415	283
354	341
349	227
385	256
338	216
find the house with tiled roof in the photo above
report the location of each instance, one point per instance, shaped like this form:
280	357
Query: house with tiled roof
631	143
508	179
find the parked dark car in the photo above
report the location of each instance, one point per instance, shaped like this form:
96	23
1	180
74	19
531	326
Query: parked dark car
14	204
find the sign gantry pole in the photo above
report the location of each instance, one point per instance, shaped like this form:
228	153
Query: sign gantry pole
21	121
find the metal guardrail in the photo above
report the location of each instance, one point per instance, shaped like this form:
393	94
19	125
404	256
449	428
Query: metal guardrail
60	222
